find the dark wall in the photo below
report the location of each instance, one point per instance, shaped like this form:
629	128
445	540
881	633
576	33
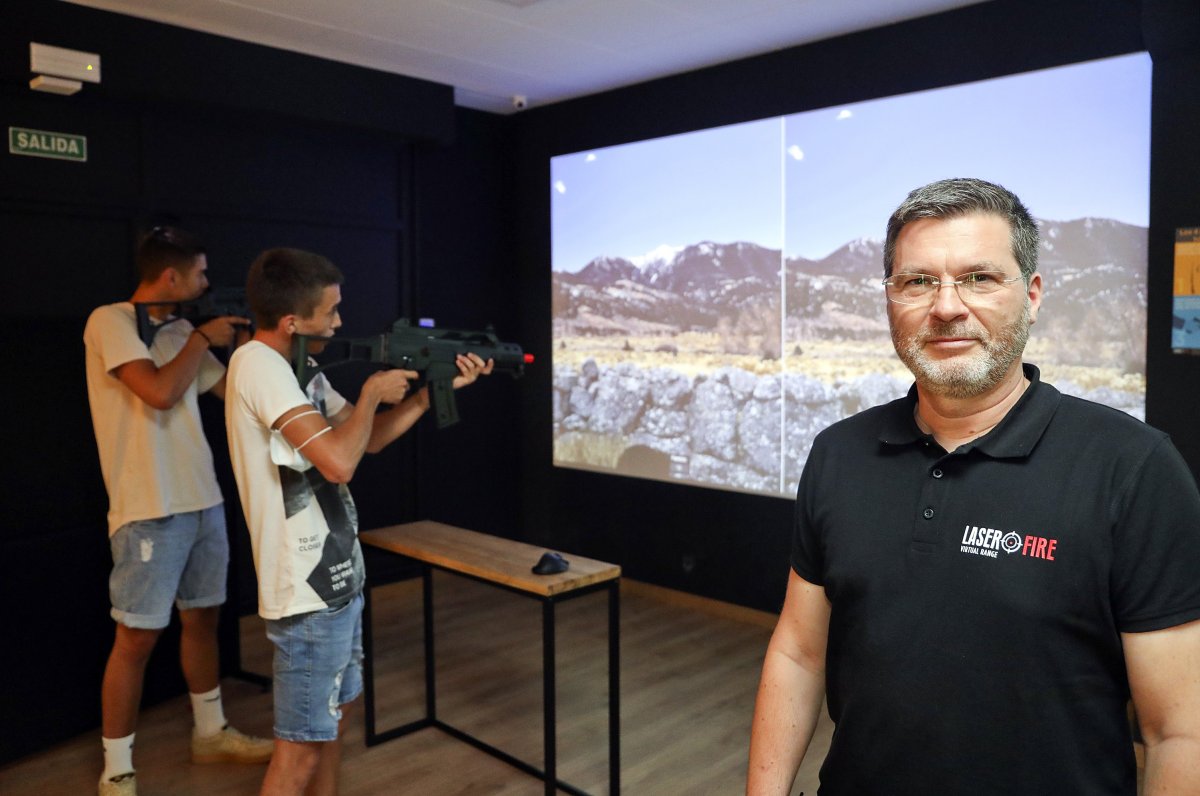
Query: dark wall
308	154
1172	30
464	230
731	546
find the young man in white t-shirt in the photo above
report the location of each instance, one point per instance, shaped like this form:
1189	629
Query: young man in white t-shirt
293	451
166	520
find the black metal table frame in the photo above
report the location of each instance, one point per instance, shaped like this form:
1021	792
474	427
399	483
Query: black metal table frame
550	775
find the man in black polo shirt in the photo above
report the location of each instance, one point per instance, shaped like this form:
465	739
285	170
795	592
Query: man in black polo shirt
983	572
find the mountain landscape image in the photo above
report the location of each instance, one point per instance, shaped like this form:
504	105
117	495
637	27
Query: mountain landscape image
717	363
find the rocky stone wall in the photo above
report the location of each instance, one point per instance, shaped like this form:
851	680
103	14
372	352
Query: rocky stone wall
721	428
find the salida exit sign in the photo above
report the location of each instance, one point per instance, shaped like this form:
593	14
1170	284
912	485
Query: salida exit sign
46	144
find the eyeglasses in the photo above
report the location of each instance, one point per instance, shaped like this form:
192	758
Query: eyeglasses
920	289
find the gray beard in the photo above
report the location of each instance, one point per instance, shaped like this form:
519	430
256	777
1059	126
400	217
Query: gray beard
964	377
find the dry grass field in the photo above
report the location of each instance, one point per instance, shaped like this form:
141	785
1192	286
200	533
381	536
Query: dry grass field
830	361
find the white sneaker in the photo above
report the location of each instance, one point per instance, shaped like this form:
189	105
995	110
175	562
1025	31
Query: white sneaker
231	746
120	785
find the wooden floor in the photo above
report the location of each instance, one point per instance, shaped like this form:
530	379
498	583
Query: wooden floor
689	670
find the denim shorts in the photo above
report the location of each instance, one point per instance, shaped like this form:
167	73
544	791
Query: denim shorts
180	559
317	668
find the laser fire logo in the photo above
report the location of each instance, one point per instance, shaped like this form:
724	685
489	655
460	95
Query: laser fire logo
990	542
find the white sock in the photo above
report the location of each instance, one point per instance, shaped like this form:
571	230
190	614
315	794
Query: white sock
118	756
208	712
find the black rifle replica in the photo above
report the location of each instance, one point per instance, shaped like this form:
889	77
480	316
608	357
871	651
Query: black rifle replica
429	351
216	302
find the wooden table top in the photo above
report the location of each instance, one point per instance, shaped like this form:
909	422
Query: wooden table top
491	558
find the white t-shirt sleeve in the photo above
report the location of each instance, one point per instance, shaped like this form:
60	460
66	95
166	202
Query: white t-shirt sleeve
112	333
273	391
211	371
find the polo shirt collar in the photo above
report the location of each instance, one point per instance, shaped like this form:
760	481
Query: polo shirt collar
1014	437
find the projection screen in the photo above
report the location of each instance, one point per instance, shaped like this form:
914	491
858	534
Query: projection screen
716	296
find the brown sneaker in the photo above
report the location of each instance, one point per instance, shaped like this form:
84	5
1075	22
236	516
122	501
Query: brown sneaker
231	746
123	785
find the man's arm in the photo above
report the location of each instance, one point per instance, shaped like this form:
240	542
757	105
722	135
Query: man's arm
1164	678
336	445
791	690
336	448
389	425
162	387
395	422
241	337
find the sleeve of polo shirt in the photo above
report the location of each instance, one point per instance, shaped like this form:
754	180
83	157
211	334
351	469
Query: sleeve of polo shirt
807	546
1156	545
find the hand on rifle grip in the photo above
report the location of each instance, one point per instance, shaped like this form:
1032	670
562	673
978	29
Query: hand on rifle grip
390	386
223	331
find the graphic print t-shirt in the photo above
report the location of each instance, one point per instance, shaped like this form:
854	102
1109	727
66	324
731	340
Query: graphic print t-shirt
303	529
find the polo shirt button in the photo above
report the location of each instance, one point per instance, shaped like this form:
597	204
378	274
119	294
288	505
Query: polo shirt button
928	514
936	473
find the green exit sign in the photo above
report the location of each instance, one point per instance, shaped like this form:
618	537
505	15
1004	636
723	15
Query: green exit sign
45	144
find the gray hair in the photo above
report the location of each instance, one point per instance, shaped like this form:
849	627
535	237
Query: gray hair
960	197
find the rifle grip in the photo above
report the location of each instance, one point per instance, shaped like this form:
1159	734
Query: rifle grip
441	398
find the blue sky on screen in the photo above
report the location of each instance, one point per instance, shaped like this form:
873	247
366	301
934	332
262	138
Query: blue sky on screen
1071	142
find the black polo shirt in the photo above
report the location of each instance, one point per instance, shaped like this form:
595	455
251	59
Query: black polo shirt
978	596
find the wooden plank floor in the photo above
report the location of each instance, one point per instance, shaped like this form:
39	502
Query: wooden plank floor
689	670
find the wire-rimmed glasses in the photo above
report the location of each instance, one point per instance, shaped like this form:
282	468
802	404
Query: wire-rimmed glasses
916	289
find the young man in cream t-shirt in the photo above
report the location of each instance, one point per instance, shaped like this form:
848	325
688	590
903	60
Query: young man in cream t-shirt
166	520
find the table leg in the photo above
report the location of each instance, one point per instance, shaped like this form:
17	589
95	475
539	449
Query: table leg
548	697
614	688
430	669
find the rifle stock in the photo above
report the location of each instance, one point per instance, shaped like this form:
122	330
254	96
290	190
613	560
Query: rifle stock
216	302
429	351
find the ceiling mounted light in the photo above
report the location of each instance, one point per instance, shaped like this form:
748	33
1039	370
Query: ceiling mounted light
55	85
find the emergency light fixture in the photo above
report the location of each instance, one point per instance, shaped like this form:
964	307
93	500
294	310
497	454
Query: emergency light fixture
61	71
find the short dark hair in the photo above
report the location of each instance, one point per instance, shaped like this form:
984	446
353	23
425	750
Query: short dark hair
960	197
287	282
166	247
